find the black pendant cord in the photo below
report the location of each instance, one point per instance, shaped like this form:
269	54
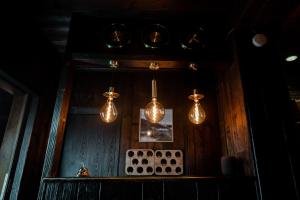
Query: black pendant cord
194	80
112	78
153	75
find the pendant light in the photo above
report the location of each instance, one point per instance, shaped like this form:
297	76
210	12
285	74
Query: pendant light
154	111
108	111
196	114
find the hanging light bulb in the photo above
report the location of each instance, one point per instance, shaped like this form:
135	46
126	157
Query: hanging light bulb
196	114
154	111
108	111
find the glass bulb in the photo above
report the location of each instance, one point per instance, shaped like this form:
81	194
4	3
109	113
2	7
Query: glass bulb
197	114
108	111
154	111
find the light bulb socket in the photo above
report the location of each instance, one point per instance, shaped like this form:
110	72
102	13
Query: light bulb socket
114	64
196	96
111	89
111	93
154	66
154	89
193	66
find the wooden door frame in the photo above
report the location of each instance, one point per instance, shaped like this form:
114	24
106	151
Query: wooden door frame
29	101
58	122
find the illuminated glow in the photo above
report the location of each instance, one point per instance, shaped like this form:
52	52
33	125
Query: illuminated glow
259	40
291	58
196	114
154	111
149	133
108	111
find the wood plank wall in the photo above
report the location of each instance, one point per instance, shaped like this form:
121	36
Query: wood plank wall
233	121
102	146
9	146
204	189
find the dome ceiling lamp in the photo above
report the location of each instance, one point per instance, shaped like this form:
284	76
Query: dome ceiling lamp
259	40
117	36
291	58
194	39
155	36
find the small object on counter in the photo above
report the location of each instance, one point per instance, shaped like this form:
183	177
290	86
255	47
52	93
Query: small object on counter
83	171
229	165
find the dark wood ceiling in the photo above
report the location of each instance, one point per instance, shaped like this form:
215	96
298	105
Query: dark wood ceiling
228	15
54	16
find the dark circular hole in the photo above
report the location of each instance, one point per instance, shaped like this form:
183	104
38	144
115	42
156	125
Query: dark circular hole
140	170
135	161
178	170
158	154
130	153
168	154
173	162
140	153
149	154
129	169
177	154
149	169
144	161
163	161
168	169
158	169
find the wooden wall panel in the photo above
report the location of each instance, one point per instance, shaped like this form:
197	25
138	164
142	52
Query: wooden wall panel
180	189
233	121
102	147
119	190
89	141
159	189
11	139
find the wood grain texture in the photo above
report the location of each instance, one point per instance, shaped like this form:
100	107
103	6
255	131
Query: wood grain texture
180	189
91	142
153	190
160	189
233	121
208	190
51	191
55	120
9	148
69	191
23	155
88	190
119	190
56	135
102	147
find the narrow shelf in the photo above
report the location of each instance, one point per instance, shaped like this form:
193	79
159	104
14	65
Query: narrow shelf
153	178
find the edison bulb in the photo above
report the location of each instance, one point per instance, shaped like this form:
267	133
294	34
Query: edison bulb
108	111
197	114
154	111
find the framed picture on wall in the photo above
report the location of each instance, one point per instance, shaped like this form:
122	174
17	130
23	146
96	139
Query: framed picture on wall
158	132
